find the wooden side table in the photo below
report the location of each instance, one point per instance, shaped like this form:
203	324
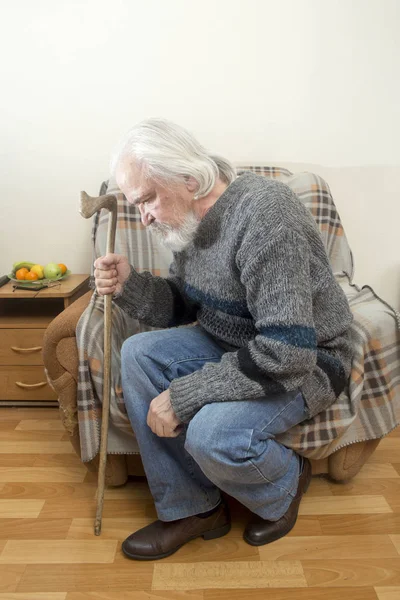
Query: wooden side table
24	317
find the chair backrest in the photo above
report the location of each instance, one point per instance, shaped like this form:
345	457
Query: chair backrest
147	254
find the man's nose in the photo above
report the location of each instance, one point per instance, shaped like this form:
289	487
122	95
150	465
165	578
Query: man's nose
145	216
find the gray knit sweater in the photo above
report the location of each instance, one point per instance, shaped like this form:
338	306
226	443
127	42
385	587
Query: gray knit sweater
257	278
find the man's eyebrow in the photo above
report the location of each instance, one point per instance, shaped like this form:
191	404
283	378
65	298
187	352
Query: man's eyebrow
139	199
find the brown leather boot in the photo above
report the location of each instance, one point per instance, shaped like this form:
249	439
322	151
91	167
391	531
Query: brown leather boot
162	538
260	531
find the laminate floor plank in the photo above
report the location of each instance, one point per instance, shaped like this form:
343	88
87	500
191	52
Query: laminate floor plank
165	595
31	436
368	487
326	547
135	491
319	486
85	508
129	576
114	529
34	596
35	529
388	593
65	492
42	474
58	460
7	425
17	460
20	509
394	433
40	460
17	552
368	524
364	572
396	541
337	505
396	465
20	414
10	576
350	593
376	471
306	525
216	574
388	449
52	447
40	425
392	497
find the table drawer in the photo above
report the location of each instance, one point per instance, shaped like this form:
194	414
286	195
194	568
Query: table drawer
21	346
26	383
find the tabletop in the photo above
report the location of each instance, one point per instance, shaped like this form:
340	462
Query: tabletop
63	288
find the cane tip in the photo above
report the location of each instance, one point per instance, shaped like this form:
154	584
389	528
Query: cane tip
97	528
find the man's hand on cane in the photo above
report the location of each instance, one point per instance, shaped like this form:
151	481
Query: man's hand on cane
161	417
111	272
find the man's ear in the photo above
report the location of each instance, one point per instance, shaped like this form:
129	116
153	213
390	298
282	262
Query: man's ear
191	183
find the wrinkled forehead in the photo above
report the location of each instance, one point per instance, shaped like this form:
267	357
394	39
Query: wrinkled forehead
132	180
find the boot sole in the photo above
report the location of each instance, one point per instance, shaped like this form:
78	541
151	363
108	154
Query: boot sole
207	535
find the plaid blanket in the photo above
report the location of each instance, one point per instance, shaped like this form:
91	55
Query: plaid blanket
368	409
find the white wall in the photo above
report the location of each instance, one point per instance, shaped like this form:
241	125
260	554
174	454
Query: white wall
256	80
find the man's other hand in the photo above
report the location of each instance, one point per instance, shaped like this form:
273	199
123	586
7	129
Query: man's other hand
161	417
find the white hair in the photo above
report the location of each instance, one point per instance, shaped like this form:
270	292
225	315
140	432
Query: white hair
169	153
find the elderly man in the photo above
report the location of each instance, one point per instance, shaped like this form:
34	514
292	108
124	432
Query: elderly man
270	349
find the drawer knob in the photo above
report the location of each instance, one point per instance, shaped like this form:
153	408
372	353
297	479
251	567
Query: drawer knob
31	386
22	350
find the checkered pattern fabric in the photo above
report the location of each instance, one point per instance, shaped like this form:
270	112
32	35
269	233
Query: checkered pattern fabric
368	409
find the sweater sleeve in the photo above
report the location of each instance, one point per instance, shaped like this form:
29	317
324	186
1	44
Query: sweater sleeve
156	301
284	350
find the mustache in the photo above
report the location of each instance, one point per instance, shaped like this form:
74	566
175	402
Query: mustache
162	227
176	237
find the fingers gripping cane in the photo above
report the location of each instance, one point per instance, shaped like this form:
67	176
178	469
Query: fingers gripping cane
88	207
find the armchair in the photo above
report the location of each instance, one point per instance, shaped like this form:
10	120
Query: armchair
331	440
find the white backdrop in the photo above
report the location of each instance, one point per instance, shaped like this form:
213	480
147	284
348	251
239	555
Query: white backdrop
312	81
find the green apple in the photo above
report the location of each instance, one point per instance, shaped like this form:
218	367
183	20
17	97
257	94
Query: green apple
52	271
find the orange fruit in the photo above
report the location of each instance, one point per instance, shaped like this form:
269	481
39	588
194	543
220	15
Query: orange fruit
63	268
20	274
31	276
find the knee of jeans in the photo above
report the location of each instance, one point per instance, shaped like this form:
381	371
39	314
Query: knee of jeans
215	446
198	442
137	347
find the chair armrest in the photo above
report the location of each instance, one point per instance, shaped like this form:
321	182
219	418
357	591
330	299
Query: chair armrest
59	332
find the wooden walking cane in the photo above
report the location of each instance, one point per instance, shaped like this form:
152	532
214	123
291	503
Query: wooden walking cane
88	207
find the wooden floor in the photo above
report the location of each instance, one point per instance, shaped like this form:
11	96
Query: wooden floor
345	545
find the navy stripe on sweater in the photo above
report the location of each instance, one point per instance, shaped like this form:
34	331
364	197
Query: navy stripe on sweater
230	307
293	335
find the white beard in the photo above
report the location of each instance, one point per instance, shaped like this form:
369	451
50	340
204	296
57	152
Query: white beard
177	238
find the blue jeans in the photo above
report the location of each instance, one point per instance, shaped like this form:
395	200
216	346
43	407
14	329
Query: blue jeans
227	446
